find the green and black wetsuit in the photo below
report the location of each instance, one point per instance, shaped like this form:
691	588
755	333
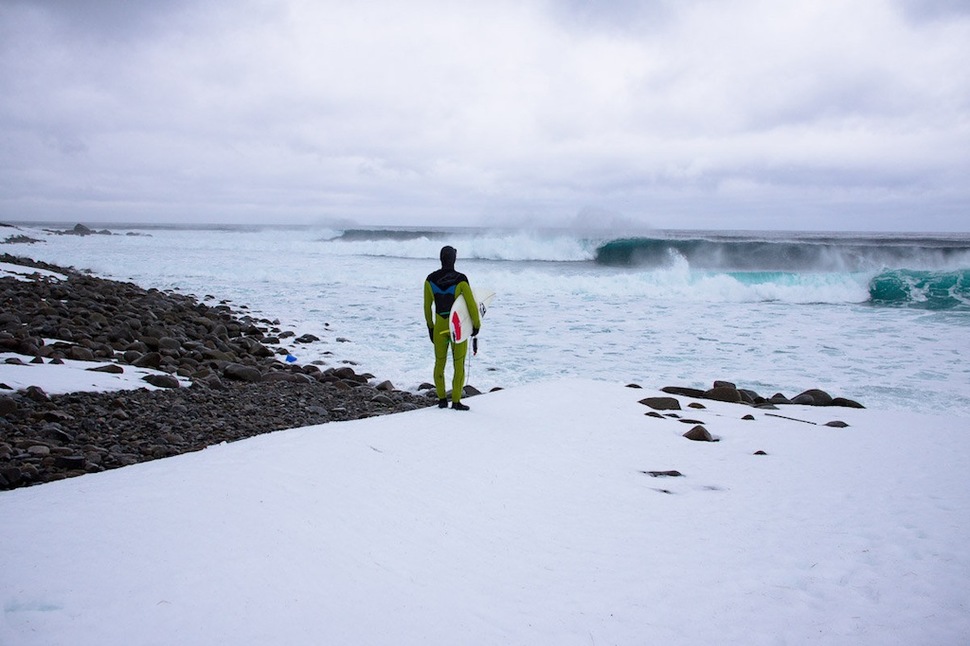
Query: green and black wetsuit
441	289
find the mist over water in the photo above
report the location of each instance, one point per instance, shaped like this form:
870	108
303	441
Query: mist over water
562	311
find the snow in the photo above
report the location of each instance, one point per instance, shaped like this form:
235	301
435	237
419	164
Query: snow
527	520
73	376
22	273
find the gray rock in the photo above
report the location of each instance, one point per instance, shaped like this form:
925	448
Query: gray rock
696	393
819	397
151	360
111	368
77	353
661	403
8	405
239	372
162	381
724	394
169	343
845	403
699	434
37	394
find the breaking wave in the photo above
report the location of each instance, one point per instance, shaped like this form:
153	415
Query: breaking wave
797	253
932	290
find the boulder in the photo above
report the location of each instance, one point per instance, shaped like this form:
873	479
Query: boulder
696	393
169	343
111	368
724	394
845	403
661	403
37	394
148	360
8	405
240	372
162	381
78	353
699	434
819	397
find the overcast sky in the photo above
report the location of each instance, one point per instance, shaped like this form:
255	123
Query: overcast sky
748	114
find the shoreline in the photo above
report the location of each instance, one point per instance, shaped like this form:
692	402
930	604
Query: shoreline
237	385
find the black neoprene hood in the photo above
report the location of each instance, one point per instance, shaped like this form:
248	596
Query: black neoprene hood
448	256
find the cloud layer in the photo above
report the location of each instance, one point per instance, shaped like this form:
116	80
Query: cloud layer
746	114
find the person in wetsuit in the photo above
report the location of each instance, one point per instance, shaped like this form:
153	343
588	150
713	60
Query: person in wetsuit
441	289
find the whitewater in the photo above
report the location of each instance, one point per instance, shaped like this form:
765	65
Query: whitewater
879	318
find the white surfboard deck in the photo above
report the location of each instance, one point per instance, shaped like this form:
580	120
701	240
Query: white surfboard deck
460	319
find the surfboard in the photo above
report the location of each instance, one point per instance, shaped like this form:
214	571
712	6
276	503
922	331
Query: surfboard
460	319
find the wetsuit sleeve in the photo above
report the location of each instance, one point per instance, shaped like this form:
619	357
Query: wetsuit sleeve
465	289
428	304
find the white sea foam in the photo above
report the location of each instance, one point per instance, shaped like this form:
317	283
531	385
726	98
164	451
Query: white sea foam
513	246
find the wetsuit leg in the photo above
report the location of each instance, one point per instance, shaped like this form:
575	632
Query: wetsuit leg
442	339
458	352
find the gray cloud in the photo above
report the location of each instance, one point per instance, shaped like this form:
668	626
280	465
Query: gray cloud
673	114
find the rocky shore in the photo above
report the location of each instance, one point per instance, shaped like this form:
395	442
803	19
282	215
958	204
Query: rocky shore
222	376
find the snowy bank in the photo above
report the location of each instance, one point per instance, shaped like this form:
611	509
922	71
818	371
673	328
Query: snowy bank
529	520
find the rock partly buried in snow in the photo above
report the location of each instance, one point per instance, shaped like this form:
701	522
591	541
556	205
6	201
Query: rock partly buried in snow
699	434
819	397
836	423
111	368
696	393
727	392
661	403
845	403
724	394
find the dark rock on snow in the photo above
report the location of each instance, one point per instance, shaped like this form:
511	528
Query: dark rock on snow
661	403
699	434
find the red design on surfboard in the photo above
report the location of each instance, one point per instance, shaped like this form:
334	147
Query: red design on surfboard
456	324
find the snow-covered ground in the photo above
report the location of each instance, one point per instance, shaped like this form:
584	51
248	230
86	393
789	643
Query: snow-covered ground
528	520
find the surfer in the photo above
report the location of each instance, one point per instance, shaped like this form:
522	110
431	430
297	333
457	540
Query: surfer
440	291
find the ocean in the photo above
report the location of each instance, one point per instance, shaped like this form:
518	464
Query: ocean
880	318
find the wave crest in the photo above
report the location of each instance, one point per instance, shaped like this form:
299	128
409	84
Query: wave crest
932	290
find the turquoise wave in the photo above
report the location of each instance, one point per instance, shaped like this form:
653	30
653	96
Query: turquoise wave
795	252
932	290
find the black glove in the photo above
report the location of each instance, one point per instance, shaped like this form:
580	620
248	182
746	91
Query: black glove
431	334
475	331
